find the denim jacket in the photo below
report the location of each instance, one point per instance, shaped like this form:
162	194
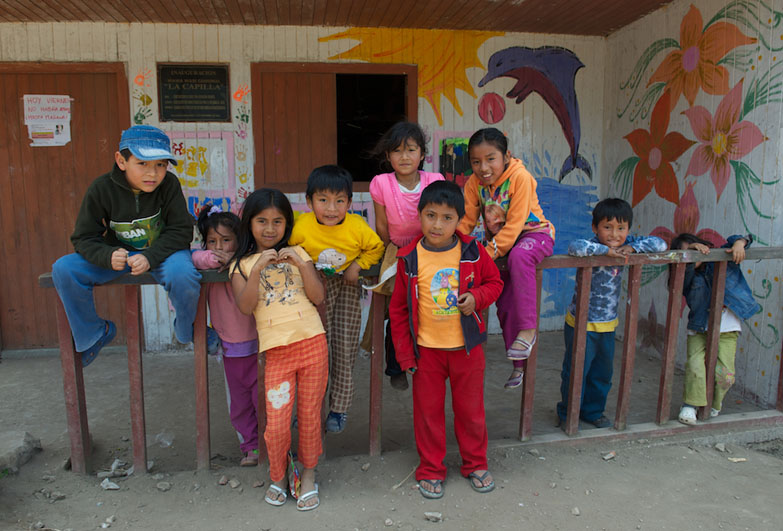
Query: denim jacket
697	289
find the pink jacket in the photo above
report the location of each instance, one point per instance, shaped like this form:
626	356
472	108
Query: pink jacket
231	325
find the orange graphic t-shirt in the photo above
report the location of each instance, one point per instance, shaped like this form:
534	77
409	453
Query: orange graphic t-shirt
438	288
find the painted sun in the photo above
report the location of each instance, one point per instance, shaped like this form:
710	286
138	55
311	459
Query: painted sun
442	56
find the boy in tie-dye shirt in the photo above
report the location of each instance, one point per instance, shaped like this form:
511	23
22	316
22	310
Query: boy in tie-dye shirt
611	222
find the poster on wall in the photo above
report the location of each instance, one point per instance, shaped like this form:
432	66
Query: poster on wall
48	119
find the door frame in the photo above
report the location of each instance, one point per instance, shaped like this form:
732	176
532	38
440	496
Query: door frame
411	99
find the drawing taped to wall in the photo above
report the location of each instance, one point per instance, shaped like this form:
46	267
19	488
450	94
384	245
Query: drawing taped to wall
205	168
549	71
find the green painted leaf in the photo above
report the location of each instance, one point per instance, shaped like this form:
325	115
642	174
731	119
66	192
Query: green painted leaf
623	177
634	80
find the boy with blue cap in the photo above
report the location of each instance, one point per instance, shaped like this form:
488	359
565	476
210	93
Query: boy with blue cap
132	220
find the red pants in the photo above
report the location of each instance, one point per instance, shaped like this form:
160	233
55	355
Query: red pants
299	370
466	373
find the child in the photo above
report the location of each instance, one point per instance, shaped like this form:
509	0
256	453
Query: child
132	220
444	281
503	192
237	331
280	287
612	220
340	245
738	305
395	197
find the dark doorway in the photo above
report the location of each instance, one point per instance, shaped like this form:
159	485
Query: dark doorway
367	105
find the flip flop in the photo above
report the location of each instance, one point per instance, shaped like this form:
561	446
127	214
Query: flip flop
515	380
434	483
483	488
89	355
523	353
303	498
278	491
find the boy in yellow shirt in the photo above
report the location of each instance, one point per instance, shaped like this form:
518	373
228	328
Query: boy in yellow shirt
340	244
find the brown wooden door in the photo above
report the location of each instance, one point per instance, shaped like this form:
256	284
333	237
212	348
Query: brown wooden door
42	189
295	117
295	126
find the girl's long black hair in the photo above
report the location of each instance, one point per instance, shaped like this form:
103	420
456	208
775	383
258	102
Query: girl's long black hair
676	245
396	135
211	217
256	202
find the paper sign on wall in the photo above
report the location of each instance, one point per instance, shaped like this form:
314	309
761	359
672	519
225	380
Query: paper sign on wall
48	119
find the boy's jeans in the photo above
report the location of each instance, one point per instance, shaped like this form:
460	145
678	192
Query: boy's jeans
597	375
74	278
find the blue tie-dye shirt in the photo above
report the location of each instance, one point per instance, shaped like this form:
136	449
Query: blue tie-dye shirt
606	282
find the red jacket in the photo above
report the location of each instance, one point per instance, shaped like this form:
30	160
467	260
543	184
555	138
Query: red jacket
478	275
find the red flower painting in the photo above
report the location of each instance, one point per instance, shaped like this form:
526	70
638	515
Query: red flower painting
686	219
656	151
694	65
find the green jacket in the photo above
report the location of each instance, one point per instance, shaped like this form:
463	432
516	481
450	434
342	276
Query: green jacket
112	216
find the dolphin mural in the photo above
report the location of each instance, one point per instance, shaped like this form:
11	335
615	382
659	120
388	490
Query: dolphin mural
549	71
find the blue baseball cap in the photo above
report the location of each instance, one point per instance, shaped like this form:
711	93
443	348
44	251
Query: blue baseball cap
147	143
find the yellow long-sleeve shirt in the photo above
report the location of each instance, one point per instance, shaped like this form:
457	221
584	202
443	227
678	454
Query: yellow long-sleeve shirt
334	248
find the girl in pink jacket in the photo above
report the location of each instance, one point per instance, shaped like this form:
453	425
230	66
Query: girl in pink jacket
237	331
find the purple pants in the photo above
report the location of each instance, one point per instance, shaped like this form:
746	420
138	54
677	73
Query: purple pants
242	379
517	303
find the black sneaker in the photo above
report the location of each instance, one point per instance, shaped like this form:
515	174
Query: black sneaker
600	422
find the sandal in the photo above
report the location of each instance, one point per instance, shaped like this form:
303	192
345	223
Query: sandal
517	354
303	498
480	478
276	500
515	380
431	494
89	355
250	459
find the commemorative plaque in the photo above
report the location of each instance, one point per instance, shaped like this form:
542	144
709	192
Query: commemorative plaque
193	93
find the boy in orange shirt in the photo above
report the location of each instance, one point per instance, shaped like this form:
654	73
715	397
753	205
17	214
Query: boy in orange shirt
444	281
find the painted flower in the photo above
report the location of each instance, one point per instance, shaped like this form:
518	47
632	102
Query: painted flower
686	219
722	138
656	151
695	64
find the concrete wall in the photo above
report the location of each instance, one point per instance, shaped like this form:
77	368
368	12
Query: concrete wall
719	133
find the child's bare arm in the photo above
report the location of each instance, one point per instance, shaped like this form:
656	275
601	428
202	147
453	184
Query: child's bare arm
314	288
246	289
381	223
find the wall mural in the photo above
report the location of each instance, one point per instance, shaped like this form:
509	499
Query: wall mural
732	43
550	72
700	62
142	100
442	56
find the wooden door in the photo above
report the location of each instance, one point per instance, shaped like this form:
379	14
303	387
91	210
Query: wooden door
295	117
42	189
295	126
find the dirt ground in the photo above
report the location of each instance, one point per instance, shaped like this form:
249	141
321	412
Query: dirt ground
675	483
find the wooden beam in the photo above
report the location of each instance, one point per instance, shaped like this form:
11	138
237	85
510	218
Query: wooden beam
629	347
670	343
